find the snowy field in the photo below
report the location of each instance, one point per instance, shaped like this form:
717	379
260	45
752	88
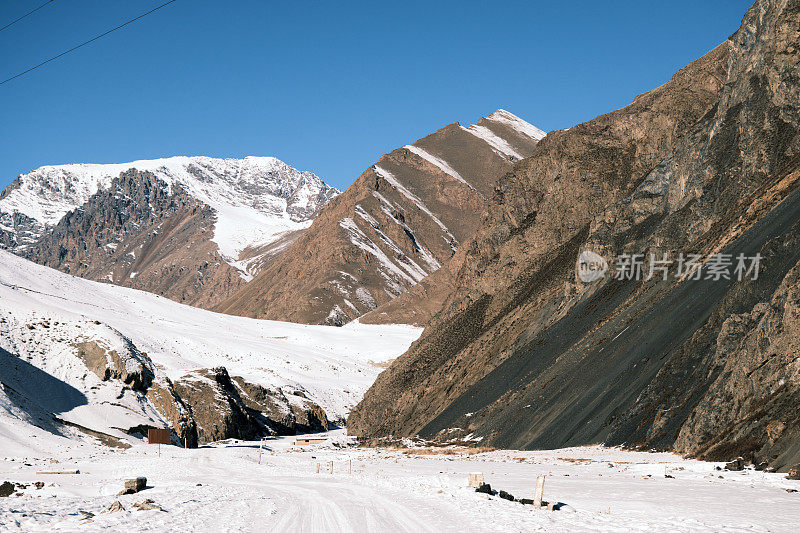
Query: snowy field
334	366
223	488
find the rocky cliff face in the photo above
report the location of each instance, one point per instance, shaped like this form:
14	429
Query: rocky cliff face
400	221
524	354
222	407
193	229
141	233
49	369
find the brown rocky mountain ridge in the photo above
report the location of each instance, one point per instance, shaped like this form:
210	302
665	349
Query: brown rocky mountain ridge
400	221
522	354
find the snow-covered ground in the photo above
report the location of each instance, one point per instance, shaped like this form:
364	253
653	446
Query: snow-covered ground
224	488
44	313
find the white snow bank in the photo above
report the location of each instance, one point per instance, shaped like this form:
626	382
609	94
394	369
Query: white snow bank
334	366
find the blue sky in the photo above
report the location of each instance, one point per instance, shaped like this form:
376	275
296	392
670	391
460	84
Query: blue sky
324	86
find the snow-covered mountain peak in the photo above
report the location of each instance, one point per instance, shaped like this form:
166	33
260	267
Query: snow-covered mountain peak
256	199
509	119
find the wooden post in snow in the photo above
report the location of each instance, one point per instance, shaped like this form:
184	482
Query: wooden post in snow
475	479
317	468
537	498
260	447
330	467
349	466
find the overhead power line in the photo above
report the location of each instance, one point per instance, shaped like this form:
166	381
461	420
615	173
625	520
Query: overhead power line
26	14
86	42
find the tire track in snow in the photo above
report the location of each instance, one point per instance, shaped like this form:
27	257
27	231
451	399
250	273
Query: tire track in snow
333	506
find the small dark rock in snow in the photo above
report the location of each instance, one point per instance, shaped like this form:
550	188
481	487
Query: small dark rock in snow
6	489
735	465
133	485
484	489
561	506
114	507
147	505
506	496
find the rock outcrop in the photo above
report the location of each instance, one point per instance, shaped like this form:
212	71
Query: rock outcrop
223	407
51	369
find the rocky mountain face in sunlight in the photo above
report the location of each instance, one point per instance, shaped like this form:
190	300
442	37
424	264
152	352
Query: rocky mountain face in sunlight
401	220
525	354
193	229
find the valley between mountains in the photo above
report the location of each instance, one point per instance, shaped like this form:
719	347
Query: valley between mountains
432	319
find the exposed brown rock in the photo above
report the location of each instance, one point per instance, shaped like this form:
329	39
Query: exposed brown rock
143	234
506	275
759	379
223	407
135	484
147	505
132	367
172	407
526	356
294	412
419	304
6	489
401	219
114	508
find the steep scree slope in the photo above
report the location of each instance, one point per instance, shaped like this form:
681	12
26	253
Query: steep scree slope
525	355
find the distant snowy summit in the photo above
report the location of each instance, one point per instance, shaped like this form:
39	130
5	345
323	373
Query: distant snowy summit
255	198
125	214
236	235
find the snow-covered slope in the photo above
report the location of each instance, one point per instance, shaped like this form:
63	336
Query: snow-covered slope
256	199
46	315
